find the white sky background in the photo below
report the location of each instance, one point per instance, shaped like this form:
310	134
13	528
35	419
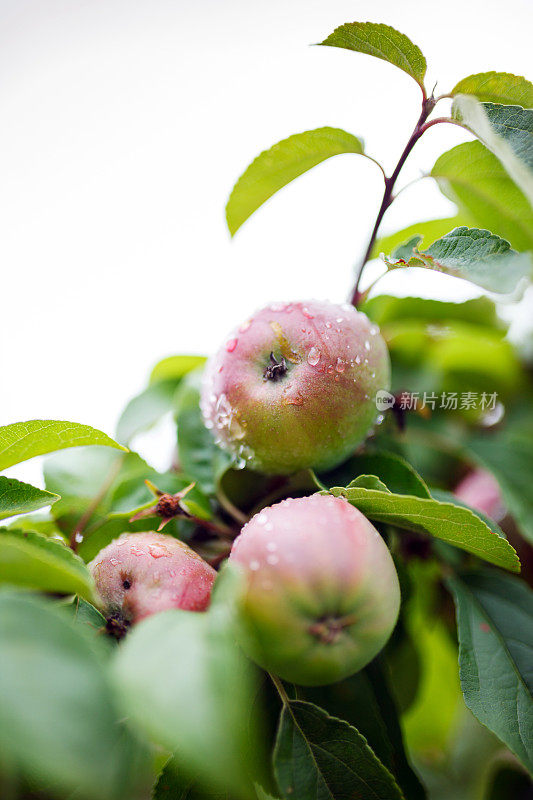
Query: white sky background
124	126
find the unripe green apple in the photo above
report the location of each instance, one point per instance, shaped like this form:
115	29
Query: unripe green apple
320	591
294	387
140	574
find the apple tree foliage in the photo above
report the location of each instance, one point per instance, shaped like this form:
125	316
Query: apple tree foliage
176	710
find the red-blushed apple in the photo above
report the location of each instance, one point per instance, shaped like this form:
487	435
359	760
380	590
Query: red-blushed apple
140	574
320	593
480	490
294	386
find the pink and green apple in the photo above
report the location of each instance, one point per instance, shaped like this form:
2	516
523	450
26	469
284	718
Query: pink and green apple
320	590
294	386
140	574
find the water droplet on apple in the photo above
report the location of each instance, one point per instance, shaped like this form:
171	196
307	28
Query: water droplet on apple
313	356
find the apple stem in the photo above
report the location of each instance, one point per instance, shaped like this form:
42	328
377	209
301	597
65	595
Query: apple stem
276	369
428	104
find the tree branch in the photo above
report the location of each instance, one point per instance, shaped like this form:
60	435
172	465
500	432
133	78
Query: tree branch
428	104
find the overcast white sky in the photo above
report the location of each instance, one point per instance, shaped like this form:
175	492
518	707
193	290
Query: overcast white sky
124	126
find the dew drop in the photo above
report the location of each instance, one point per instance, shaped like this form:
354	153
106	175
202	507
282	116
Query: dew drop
340	366
231	344
272	559
329	325
367	345
307	314
254	565
313	357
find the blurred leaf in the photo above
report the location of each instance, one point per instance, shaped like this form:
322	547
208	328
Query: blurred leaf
200	708
36	562
508	455
430	721
506	130
364	701
172	785
85	479
20	498
318	756
175	367
383	42
452	524
275	168
475	255
199	457
84	613
147	408
497	87
24	440
393	470
38	524
102	489
475	180
58	722
495	625
386	308
428	231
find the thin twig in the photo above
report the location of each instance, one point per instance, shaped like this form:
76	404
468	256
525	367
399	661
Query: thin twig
428	104
281	690
438	121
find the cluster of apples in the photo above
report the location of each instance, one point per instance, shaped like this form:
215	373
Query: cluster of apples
292	388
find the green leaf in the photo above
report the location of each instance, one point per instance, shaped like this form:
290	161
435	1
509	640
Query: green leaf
473	178
275	168
20	498
431	720
383	42
198	455
147	408
364	700
508	455
429	231
58	722
393	470
497	87
200	708
32	560
506	130
318	756
476	255
173	785
85	479
175	367
84	613
495	625
452	524
384	309
24	440
448	497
